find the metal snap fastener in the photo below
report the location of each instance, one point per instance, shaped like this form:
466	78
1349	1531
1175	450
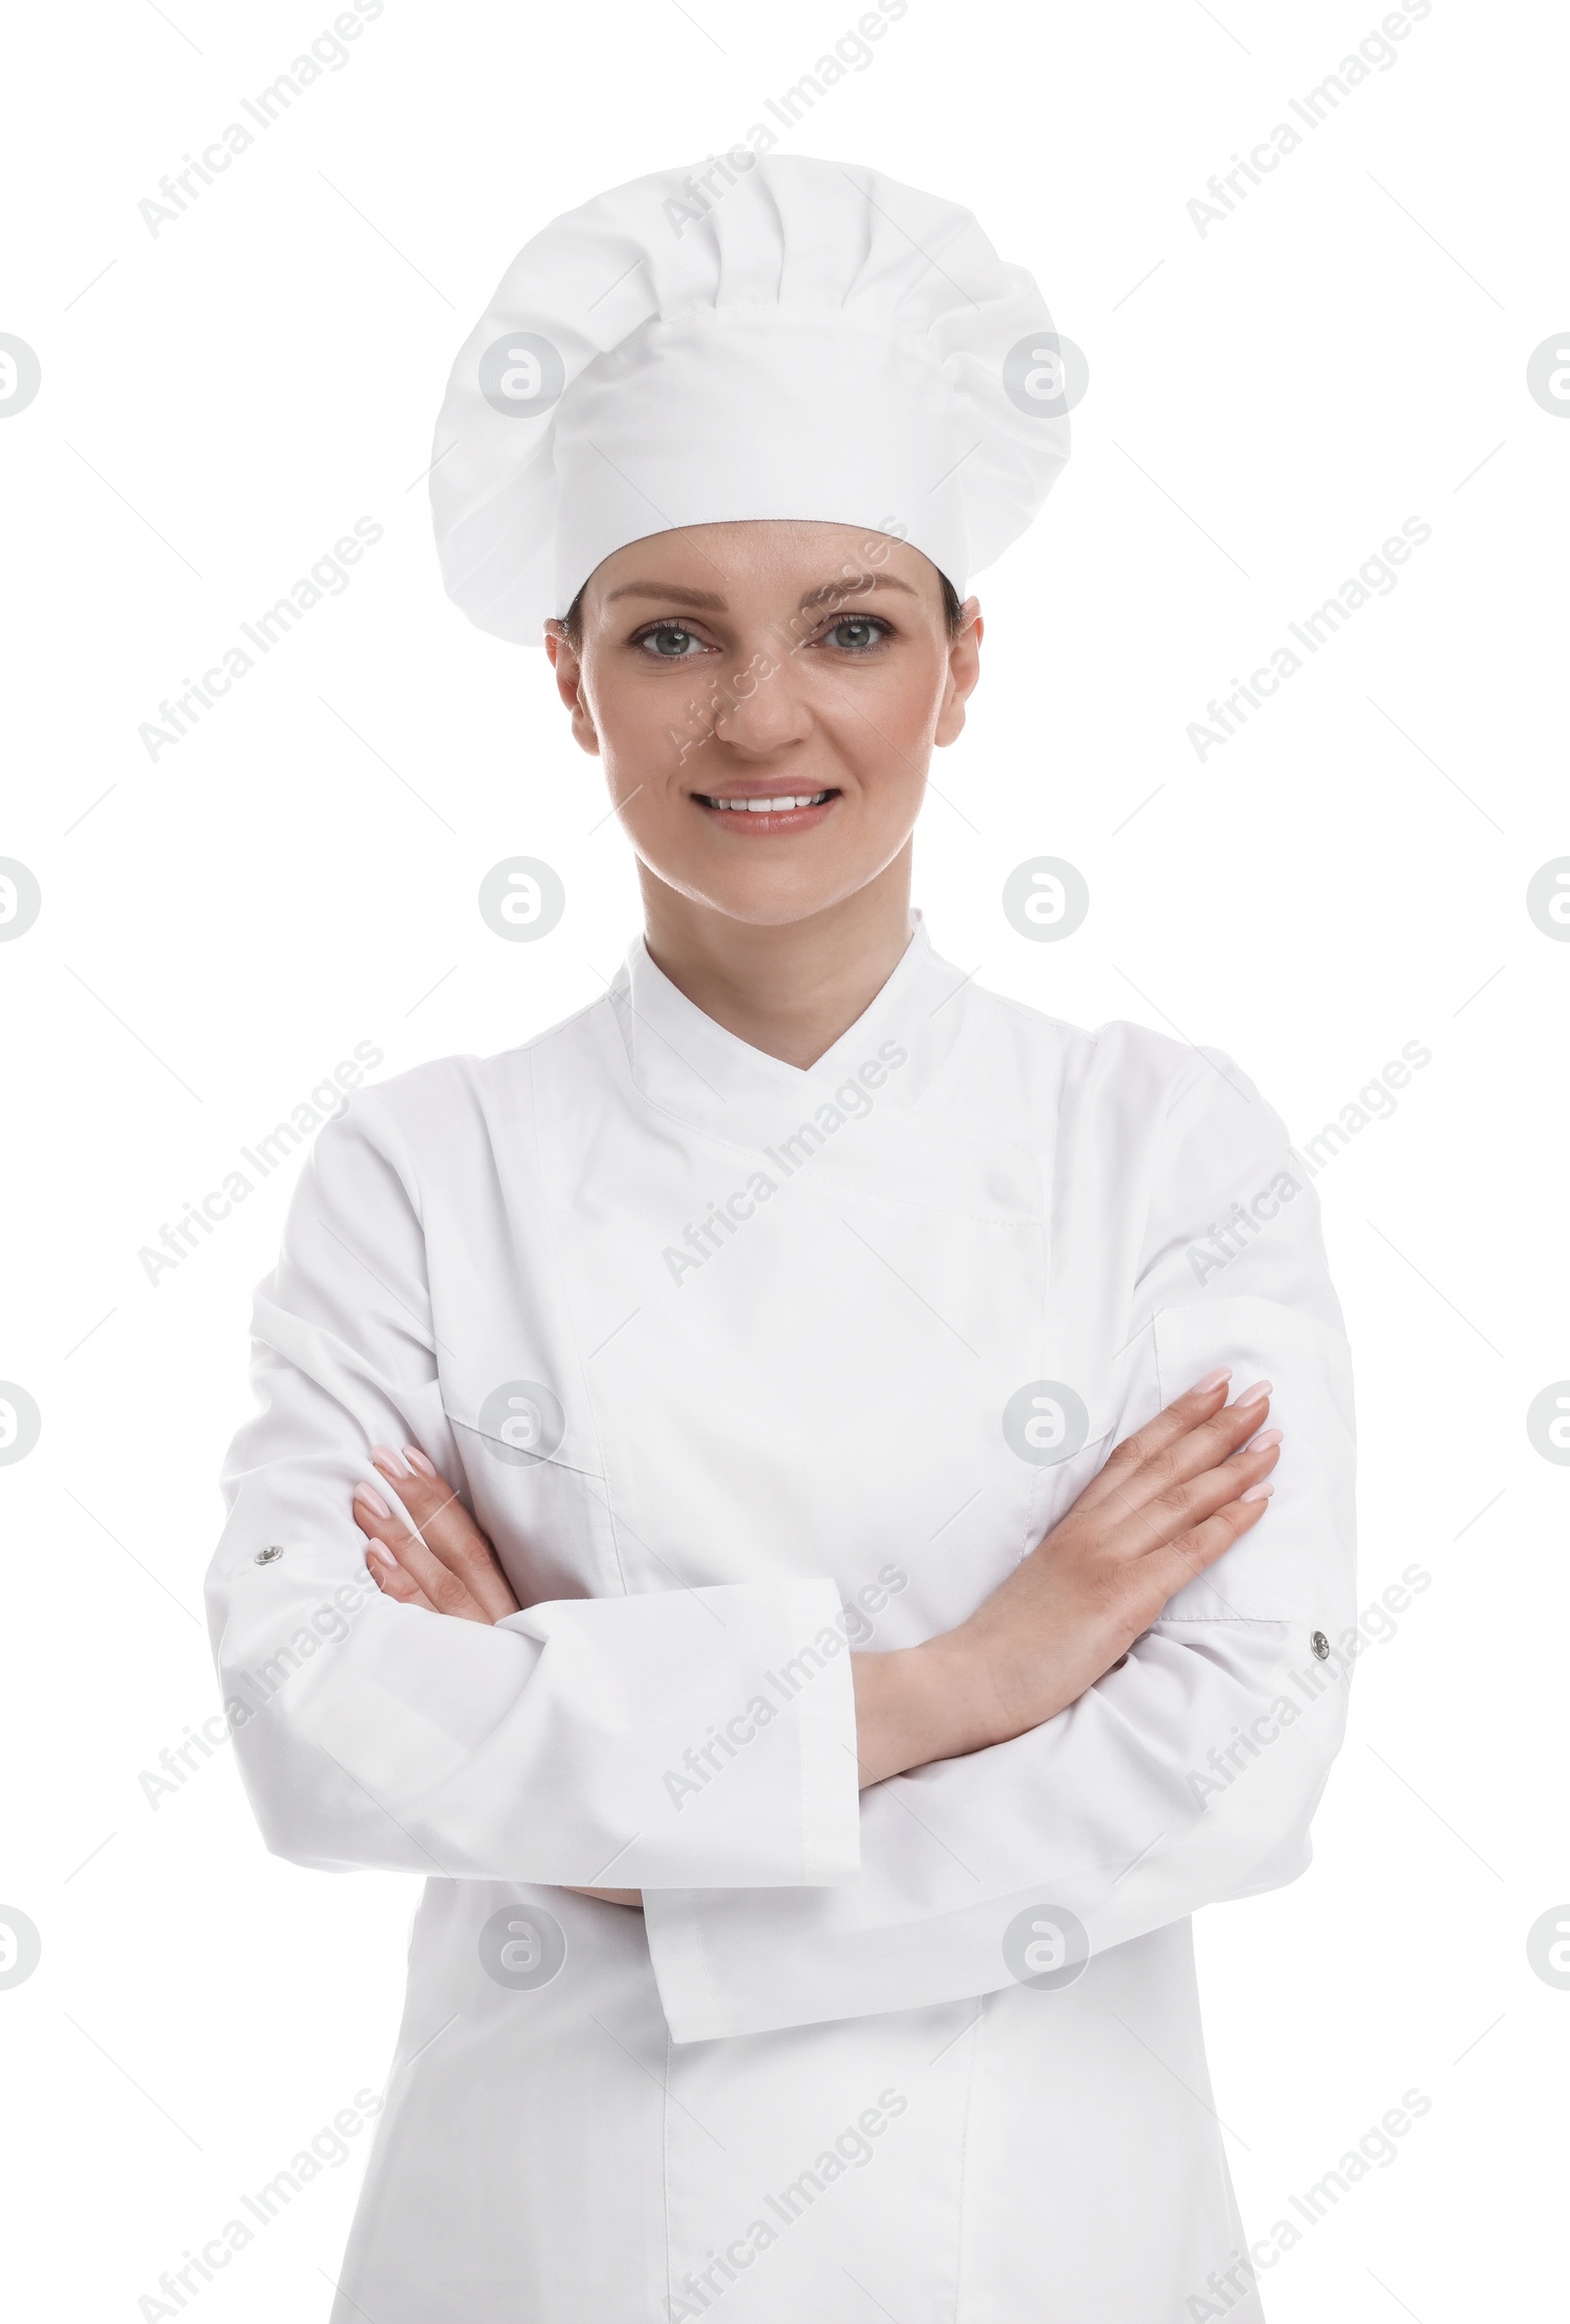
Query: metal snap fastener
1320	1645
268	1556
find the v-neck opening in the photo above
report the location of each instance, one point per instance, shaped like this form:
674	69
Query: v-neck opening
689	1064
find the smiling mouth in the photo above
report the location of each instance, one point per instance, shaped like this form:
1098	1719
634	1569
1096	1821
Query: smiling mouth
787	803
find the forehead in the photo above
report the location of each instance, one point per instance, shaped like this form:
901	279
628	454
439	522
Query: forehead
733	568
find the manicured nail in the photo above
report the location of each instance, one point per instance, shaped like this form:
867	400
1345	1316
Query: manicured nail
1257	1493
1213	1378
416	1458
386	1458
1255	1395
386	1555
374	1503
1263	1443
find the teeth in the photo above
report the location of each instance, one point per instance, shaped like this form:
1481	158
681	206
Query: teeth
769	806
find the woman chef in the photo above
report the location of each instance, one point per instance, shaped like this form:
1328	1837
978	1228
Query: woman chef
751	1495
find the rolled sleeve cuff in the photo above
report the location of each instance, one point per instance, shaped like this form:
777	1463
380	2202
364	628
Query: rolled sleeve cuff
716	1727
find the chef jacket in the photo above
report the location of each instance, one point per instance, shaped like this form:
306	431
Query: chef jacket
741	1367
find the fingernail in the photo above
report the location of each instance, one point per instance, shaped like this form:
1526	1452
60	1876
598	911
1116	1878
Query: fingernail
1263	1443
417	1459
386	1555
1255	1395
384	1457
374	1503
1213	1378
1257	1493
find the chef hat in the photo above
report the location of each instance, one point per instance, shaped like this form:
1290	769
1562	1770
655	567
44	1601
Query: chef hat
759	338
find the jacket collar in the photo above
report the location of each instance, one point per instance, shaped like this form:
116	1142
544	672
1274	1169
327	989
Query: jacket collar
684	1064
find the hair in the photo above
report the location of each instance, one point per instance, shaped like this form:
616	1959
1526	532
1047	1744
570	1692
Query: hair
572	619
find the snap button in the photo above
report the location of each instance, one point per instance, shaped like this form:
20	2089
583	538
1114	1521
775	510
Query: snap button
269	1555
1320	1645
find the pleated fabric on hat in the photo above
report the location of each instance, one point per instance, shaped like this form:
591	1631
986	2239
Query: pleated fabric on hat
817	342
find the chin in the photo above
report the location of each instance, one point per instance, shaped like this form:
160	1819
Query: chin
775	899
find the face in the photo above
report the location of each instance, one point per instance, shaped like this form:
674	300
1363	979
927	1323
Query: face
765	698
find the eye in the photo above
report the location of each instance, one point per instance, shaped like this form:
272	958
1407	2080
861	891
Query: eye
669	641
856	633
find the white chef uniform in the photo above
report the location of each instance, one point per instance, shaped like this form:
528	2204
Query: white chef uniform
719	1354
740	1367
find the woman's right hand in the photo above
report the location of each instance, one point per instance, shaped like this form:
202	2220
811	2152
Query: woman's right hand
1171	1500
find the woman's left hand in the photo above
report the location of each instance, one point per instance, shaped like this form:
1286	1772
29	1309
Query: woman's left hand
447	1567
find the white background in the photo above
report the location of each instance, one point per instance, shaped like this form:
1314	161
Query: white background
1268	402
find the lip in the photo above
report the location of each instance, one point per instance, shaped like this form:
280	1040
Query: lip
777	823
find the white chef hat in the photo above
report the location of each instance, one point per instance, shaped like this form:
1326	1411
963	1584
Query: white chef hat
760	337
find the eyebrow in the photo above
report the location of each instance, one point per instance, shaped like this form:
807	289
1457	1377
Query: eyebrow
705	601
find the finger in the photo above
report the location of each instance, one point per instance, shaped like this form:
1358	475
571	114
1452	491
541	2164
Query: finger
1176	1562
1204	1447
446	1527
1177	1507
1193	1433
442	1588
1187	1411
391	1578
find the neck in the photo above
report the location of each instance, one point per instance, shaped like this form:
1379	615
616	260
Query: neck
790	990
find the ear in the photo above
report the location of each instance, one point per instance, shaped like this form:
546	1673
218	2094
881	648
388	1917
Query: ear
964	670
567	664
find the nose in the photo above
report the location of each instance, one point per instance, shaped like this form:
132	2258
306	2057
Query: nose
759	707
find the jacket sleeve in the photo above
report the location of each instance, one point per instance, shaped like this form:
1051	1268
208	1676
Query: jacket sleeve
1190	1772
372	1733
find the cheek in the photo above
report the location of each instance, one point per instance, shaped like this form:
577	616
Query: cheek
890	787
651	742
630	714
881	727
